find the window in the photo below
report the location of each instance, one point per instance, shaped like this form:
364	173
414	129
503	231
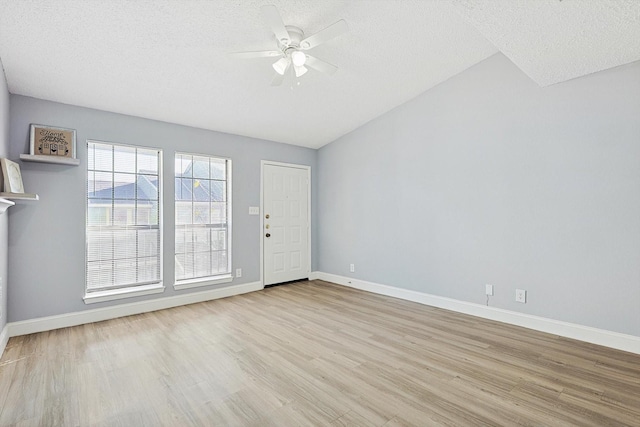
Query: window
203	226
123	221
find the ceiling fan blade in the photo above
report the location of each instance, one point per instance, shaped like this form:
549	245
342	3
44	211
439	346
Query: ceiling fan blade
260	54
331	32
300	70
277	79
274	21
320	65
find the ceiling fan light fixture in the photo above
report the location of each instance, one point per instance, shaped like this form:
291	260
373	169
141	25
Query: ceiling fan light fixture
298	58
300	70
281	65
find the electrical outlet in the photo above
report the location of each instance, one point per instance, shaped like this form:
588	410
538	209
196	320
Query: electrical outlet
488	289
352	268
238	272
521	296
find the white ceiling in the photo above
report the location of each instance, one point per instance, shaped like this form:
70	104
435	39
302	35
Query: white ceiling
167	60
553	41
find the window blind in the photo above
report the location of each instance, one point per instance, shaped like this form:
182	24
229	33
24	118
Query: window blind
123	216
202	216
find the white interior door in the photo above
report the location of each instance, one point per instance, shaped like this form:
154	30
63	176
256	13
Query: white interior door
285	230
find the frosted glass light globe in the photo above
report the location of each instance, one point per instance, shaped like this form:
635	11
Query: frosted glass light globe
298	58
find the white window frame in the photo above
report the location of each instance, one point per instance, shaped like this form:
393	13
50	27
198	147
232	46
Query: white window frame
220	278
135	290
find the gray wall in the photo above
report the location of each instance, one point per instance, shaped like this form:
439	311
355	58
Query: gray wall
488	178
4	218
47	238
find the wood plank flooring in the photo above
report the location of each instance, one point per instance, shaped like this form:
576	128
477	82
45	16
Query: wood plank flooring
312	354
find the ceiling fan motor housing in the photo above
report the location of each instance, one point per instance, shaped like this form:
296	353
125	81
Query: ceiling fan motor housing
295	37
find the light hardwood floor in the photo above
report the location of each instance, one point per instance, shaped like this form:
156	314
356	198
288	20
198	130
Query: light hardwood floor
312	353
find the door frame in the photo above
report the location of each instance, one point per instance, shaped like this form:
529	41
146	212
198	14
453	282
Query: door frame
287	165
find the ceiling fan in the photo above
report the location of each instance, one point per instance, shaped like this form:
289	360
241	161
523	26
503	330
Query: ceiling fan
292	46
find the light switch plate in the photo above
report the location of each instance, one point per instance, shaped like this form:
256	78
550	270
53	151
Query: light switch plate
254	210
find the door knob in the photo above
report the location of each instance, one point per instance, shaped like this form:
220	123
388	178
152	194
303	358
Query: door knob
267	216
268	235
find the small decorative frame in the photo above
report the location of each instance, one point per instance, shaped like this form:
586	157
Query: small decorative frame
52	141
12	177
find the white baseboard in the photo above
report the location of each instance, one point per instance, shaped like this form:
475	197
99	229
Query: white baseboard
314	275
99	314
615	340
4	338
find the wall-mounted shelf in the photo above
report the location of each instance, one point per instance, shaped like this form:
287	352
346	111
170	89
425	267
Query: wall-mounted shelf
5	204
49	159
19	196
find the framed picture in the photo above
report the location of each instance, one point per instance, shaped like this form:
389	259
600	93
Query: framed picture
12	176
53	141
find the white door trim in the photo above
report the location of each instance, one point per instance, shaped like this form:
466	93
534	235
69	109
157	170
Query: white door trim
288	165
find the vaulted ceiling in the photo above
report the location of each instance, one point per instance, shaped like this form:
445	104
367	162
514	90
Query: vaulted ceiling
168	59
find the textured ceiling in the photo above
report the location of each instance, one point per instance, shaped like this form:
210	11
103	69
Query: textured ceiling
557	40
168	60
